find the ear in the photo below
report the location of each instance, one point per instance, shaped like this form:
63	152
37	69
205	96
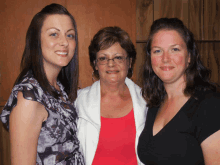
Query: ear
189	58
95	64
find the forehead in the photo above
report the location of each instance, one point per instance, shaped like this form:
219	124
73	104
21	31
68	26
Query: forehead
59	21
167	37
112	50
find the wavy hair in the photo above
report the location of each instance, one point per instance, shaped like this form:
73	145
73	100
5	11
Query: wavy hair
32	59
197	75
107	37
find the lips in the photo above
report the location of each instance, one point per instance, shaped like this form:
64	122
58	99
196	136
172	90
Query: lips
62	53
112	71
166	68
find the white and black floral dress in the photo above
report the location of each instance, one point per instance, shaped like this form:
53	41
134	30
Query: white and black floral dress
57	143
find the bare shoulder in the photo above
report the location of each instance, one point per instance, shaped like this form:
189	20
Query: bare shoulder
28	109
211	149
25	123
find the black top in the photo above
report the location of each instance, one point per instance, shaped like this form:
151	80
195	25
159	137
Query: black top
57	142
179	141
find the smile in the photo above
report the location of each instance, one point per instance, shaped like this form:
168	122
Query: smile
112	72
61	53
166	68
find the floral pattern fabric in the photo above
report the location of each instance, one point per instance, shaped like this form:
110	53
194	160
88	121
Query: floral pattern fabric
57	143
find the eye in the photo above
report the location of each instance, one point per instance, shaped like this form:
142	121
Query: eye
156	51
119	58
71	36
102	58
175	49
53	34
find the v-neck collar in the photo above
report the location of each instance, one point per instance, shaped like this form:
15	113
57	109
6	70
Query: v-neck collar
184	107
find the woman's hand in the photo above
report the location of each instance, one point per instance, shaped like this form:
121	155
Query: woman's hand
211	149
25	123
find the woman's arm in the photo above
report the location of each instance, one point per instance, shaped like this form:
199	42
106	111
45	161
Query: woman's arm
25	123
211	149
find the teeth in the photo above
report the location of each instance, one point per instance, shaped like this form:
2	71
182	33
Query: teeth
63	53
112	71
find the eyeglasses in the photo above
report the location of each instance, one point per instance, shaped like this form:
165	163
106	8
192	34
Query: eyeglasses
117	59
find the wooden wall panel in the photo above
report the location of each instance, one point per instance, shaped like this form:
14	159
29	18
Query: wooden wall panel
210	53
212	19
144	18
171	8
140	61
91	16
196	18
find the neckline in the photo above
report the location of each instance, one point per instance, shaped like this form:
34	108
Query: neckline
174	117
123	117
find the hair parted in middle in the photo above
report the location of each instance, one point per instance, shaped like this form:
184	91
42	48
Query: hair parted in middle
32	59
197	75
105	38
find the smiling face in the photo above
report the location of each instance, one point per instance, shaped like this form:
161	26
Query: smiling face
112	72
57	41
169	56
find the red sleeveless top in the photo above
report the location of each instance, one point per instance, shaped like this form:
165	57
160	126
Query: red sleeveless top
116	141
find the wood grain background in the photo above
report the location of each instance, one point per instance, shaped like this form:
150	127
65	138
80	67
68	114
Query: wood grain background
90	15
202	17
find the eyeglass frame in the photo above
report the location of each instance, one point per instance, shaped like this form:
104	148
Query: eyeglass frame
113	59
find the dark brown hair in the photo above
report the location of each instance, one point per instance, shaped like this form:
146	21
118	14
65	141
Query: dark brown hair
32	59
107	37
197	75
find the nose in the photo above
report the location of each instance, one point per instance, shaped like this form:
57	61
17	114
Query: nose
111	62
64	41
166	57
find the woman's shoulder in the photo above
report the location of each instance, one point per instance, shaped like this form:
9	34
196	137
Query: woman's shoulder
29	88
135	90
208	97
207	105
90	89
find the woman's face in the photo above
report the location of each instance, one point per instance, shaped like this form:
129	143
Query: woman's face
57	41
169	56
113	72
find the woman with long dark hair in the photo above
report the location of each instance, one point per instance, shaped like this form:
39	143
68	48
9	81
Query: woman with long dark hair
39	113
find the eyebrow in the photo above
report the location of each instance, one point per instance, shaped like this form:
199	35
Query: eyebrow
108	54
155	47
170	45
59	29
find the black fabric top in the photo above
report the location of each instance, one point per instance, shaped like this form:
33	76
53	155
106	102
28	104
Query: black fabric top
57	142
179	141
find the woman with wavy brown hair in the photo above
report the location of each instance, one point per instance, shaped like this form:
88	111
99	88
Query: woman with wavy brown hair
182	125
112	111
